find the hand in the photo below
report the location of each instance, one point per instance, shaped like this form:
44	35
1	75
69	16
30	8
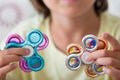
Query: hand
108	57
10	55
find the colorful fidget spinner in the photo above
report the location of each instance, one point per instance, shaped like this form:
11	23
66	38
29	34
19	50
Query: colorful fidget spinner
35	41
77	55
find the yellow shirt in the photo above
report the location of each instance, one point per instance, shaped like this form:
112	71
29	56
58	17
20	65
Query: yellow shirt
55	68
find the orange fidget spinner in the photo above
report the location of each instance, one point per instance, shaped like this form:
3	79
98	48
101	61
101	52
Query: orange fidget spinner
77	55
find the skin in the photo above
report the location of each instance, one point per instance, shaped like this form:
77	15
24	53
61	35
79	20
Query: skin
108	57
8	56
70	21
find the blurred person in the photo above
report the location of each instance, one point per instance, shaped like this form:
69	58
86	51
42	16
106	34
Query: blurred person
65	22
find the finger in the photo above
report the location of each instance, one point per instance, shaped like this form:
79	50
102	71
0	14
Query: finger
97	54
103	53
108	61
8	68
113	42
5	60
16	51
112	72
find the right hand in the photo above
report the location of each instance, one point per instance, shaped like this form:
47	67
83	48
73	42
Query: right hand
8	56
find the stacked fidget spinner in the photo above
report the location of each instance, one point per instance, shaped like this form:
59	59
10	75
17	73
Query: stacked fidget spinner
77	55
35	41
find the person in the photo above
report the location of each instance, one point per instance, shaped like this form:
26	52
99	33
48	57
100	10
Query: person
66	22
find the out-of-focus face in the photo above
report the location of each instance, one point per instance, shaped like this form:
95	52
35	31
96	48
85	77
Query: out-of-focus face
69	7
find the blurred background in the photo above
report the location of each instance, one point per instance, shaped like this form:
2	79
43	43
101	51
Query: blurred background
13	12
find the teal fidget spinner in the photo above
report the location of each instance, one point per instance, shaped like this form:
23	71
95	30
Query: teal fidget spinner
35	41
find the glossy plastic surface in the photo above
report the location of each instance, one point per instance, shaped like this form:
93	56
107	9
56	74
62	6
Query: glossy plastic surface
34	41
77	55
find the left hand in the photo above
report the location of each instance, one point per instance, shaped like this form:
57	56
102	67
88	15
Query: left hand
108	57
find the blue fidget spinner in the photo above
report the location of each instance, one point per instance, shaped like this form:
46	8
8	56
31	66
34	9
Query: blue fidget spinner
35	41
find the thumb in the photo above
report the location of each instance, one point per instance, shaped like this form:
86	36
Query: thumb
113	42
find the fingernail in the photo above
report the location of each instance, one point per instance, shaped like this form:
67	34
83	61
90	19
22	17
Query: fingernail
27	51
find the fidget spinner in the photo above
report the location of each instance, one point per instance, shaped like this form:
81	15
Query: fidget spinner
35	41
77	55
